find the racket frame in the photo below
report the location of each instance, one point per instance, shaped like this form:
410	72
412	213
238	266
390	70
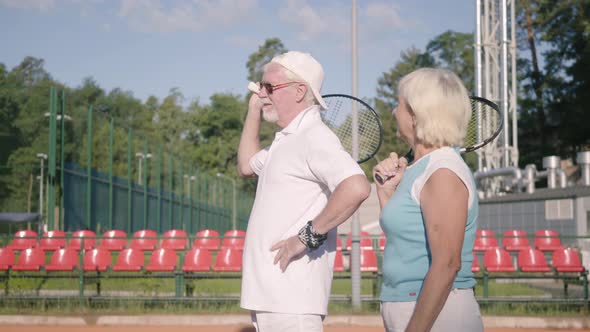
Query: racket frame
374	113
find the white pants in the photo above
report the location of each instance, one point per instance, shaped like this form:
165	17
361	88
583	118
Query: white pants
278	322
460	313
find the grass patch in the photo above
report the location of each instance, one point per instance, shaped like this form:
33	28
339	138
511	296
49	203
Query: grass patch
534	309
507	289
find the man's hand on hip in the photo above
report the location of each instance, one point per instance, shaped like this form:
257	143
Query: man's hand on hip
288	250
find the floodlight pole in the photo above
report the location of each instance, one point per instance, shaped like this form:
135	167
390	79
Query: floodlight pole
355	255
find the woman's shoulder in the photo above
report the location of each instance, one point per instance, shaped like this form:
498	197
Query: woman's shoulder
448	157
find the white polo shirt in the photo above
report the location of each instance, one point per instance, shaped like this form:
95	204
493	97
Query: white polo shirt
296	176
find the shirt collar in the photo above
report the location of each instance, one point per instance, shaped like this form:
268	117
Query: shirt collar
302	119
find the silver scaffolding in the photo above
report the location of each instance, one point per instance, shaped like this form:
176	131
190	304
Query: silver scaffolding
495	79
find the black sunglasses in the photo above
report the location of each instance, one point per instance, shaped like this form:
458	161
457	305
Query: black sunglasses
271	88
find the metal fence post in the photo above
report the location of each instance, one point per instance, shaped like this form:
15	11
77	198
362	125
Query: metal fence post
89	171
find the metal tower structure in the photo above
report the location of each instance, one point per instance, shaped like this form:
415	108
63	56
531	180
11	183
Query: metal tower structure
495	79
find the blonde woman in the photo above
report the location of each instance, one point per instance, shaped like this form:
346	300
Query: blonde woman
429	210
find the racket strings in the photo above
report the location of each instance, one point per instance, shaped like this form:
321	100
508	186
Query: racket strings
339	117
484	123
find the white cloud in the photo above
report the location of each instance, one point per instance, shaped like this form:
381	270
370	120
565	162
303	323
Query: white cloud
242	41
332	20
85	7
195	15
315	23
41	5
383	15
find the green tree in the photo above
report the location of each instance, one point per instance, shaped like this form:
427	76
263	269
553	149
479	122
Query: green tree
23	102
271	48
554	82
454	51
567	30
410	60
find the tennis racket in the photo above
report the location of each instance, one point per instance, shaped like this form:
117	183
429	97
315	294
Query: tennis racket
339	117
485	125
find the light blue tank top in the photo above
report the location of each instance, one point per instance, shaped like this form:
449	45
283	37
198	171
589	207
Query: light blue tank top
407	255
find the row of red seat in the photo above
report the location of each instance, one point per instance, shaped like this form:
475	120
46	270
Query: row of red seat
129	259
513	240
529	260
230	259
517	240
174	239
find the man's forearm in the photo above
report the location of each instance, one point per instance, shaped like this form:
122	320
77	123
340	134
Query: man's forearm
249	142
345	199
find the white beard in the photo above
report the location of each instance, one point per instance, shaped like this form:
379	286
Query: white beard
271	115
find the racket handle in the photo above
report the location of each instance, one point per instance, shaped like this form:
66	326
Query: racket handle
409	157
379	178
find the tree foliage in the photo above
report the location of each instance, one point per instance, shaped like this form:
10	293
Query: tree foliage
554	72
265	53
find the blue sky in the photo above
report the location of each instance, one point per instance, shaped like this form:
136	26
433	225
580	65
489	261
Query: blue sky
202	46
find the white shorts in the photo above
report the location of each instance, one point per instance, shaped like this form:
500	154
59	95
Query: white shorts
271	321
460	313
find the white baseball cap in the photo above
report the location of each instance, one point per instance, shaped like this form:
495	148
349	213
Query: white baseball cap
306	67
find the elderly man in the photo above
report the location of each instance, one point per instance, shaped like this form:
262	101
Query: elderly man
307	186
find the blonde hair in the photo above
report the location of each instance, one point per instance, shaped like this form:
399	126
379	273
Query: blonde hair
292	77
440	104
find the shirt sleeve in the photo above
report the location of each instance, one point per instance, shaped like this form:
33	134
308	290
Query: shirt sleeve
257	161
328	161
451	164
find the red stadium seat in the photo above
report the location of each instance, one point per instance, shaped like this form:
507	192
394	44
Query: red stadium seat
53	240
547	240
145	239
97	260
567	260
532	260
6	258
175	239
207	239
338	262
88	236
113	240
233	239
23	240
31	259
162	260
485	239
368	260
129	260
63	260
366	241
485	233
228	260
498	260
475	264
197	260
515	240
